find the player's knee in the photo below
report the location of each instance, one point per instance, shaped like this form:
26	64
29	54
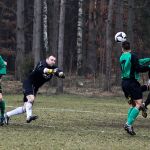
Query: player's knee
23	109
133	104
138	103
1	97
30	98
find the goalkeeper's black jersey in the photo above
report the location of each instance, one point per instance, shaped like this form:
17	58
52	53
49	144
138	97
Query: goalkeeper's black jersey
37	77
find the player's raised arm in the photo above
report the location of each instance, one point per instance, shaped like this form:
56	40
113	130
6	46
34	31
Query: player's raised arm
144	61
59	73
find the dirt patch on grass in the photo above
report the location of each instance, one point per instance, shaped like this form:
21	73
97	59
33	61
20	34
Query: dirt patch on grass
84	87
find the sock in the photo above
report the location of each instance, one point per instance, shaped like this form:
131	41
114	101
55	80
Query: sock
129	111
28	107
133	114
2	107
147	102
17	111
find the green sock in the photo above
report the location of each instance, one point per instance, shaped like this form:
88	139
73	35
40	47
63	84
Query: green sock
2	107
129	111
133	114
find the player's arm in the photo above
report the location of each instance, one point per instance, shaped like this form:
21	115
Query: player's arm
48	71
2	66
56	71
59	73
2	63
144	61
137	66
39	67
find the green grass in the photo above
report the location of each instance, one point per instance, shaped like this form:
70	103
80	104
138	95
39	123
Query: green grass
68	122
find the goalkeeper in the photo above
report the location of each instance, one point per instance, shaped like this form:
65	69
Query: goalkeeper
42	73
2	102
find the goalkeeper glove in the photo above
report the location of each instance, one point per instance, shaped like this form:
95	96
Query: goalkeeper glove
61	75
55	70
48	71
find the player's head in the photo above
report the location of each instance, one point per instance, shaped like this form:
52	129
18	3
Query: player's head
51	60
125	46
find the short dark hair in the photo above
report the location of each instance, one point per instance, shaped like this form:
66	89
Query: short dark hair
126	45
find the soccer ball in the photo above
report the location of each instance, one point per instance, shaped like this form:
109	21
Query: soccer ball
120	37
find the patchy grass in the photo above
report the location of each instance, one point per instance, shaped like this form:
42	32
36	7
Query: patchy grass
68	122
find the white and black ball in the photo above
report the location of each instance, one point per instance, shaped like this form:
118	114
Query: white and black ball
120	37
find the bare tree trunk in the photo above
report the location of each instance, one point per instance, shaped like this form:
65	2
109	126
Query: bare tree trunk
109	46
53	25
85	33
79	38
36	47
45	36
102	43
91	57
20	40
117	48
61	43
50	10
130	22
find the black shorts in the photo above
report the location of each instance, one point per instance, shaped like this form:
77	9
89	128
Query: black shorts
28	89
132	89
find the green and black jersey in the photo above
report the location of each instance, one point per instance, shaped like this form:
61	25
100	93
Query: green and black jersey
2	66
131	66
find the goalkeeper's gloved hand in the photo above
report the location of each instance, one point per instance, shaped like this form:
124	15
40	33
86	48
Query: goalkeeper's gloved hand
55	70
48	71
61	74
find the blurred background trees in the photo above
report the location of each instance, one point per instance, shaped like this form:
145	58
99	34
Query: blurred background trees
80	33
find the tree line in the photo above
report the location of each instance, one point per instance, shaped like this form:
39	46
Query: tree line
80	33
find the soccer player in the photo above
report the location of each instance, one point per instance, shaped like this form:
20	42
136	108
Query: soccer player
130	69
2	102
147	102
42	73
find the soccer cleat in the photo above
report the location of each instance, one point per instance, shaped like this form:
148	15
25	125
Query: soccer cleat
133	131
7	119
148	82
31	118
2	121
144	110
129	129
144	113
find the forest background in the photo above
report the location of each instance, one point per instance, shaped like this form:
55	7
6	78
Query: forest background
80	33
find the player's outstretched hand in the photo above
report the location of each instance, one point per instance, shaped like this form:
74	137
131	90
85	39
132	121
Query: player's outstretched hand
61	75
55	70
48	71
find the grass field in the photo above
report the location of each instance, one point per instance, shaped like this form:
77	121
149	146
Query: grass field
68	122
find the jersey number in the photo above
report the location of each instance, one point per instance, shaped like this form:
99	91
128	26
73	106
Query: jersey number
123	64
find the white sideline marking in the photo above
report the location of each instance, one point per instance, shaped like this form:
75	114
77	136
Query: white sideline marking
9	106
73	110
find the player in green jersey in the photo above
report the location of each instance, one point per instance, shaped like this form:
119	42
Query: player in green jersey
2	102
130	69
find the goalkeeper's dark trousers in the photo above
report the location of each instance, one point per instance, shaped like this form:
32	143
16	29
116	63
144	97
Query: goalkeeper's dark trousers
147	102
